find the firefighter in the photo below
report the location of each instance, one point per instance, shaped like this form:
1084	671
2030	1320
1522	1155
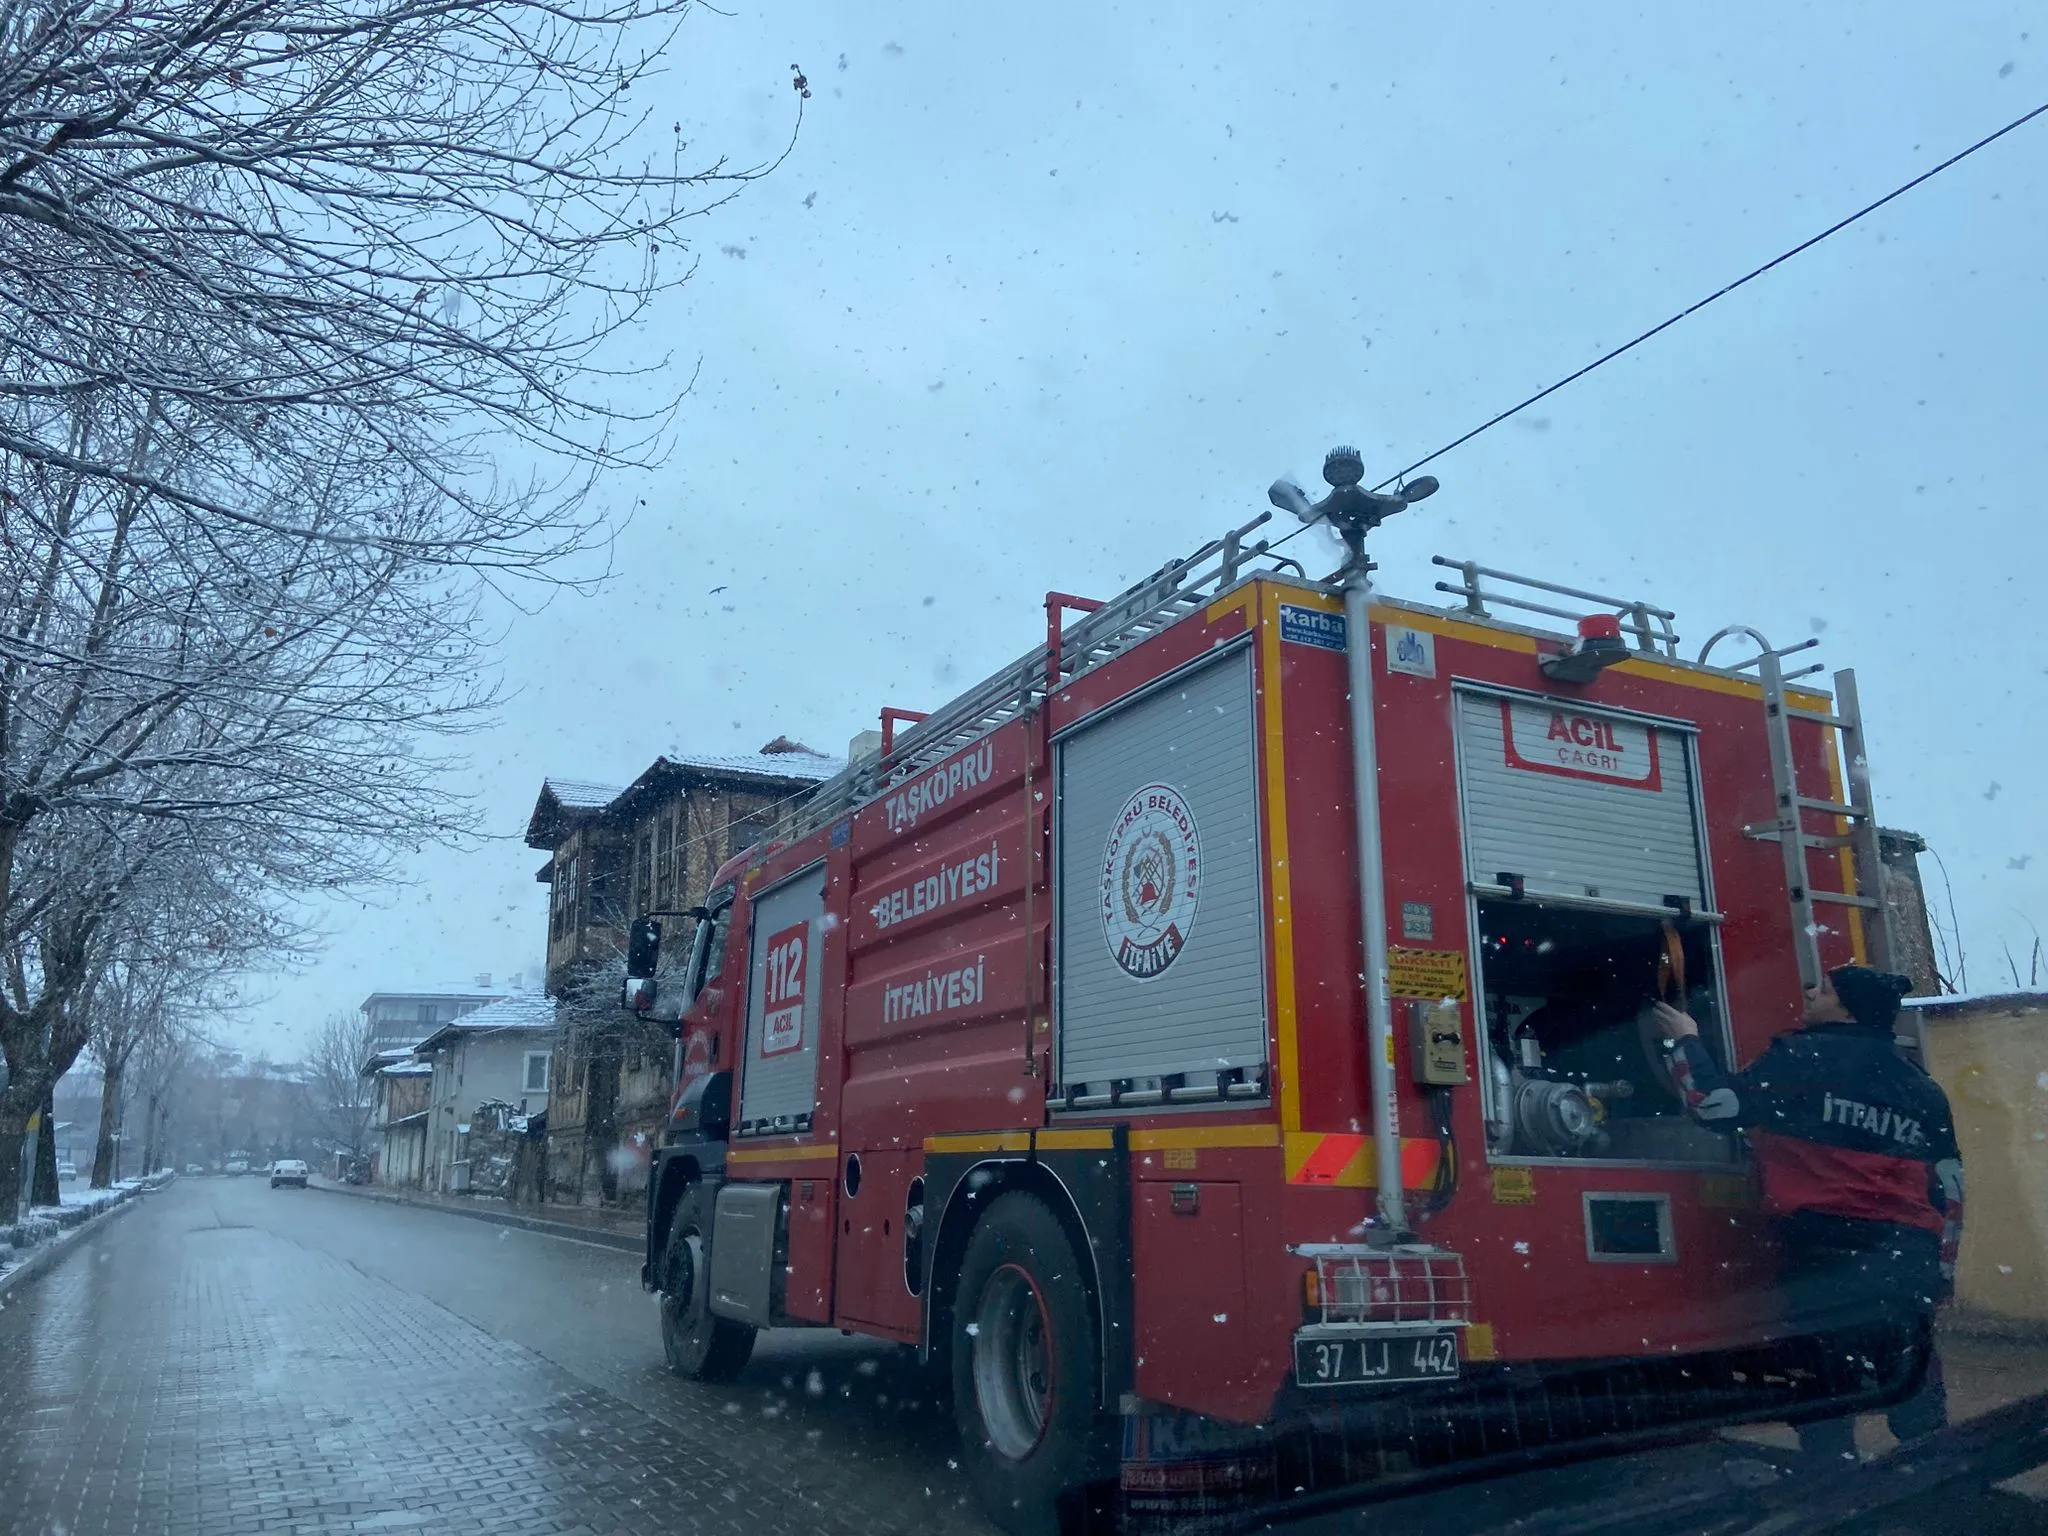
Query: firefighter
1857	1153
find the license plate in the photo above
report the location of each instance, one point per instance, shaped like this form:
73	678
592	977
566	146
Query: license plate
1335	1362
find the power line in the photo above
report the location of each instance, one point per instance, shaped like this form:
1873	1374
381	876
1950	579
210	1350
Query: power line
1693	309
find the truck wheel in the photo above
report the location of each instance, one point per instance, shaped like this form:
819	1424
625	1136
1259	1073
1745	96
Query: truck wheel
698	1344
1023	1348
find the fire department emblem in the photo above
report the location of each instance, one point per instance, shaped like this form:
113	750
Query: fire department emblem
1151	873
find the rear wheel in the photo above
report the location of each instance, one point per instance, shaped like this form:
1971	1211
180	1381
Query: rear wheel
1024	1368
698	1344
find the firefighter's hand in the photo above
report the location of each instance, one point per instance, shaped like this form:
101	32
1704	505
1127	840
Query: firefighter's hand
1676	1025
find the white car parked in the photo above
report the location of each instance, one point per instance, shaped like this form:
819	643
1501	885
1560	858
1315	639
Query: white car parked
288	1170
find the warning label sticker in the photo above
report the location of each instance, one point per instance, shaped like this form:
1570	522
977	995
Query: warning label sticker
1435	975
1514	1186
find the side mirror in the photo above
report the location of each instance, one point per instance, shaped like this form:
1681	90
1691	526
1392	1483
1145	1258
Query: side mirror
643	954
643	947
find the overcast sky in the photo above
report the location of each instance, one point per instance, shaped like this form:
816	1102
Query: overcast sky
1046	295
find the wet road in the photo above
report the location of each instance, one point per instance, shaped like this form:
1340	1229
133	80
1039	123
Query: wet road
223	1357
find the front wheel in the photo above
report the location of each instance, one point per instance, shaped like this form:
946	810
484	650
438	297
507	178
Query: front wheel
1025	1368
698	1344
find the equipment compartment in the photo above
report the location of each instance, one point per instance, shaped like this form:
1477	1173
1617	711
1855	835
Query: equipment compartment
1573	1060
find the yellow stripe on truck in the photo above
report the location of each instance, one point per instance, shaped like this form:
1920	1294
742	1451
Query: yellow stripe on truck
821	1152
1198	1136
980	1141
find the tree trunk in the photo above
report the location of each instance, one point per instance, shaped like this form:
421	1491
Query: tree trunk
104	1168
18	1102
46	1191
152	1128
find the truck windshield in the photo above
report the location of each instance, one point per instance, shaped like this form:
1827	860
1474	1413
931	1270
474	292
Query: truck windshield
707	946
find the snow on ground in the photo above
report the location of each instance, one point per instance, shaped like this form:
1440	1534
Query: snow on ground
39	1224
90	1197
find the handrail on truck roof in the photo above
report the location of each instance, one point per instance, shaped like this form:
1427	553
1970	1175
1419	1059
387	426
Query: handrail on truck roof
1651	625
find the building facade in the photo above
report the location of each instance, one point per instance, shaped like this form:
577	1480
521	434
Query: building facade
497	1055
399	1117
1989	1051
614	855
406	1018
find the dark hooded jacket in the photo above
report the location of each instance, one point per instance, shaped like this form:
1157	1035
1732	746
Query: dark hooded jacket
1841	1123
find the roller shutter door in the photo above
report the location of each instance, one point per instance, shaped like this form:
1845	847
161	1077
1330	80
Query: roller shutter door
1160	952
779	1077
1578	802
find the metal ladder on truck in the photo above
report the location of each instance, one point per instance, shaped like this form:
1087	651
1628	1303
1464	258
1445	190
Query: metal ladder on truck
1105	630
1789	828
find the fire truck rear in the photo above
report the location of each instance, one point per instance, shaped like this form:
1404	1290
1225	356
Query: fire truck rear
1237	1008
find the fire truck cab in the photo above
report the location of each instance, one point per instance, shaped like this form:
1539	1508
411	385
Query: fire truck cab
1068	1043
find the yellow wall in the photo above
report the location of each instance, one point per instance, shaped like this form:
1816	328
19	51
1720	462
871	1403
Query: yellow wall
1992	1058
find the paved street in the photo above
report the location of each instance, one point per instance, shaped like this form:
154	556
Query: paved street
222	1357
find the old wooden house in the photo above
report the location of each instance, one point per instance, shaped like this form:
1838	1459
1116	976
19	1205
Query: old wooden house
614	854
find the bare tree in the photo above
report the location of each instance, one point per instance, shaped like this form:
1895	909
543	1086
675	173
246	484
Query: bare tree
165	1058
593	1029
273	272
341	232
342	1096
118	920
280	281
127	1007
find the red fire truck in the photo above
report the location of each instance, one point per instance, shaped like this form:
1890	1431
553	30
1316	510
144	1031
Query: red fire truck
1237	1006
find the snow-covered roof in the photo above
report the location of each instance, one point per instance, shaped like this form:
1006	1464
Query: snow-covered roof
581	794
407	1069
384	1057
794	763
1955	1002
520	1011
438	992
565	803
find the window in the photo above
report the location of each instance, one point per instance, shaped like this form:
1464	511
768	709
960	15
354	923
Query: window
563	917
425	1014
664	862
681	859
643	871
536	1073
749	828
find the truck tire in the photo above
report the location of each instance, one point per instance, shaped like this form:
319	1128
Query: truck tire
1025	1370
699	1345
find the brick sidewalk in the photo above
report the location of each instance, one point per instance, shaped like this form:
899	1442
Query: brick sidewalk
192	1373
624	1230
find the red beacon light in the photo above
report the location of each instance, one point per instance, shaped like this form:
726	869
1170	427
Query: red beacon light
1598	647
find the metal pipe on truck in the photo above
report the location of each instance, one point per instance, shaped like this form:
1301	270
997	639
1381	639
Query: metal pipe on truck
1353	512
1372	896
